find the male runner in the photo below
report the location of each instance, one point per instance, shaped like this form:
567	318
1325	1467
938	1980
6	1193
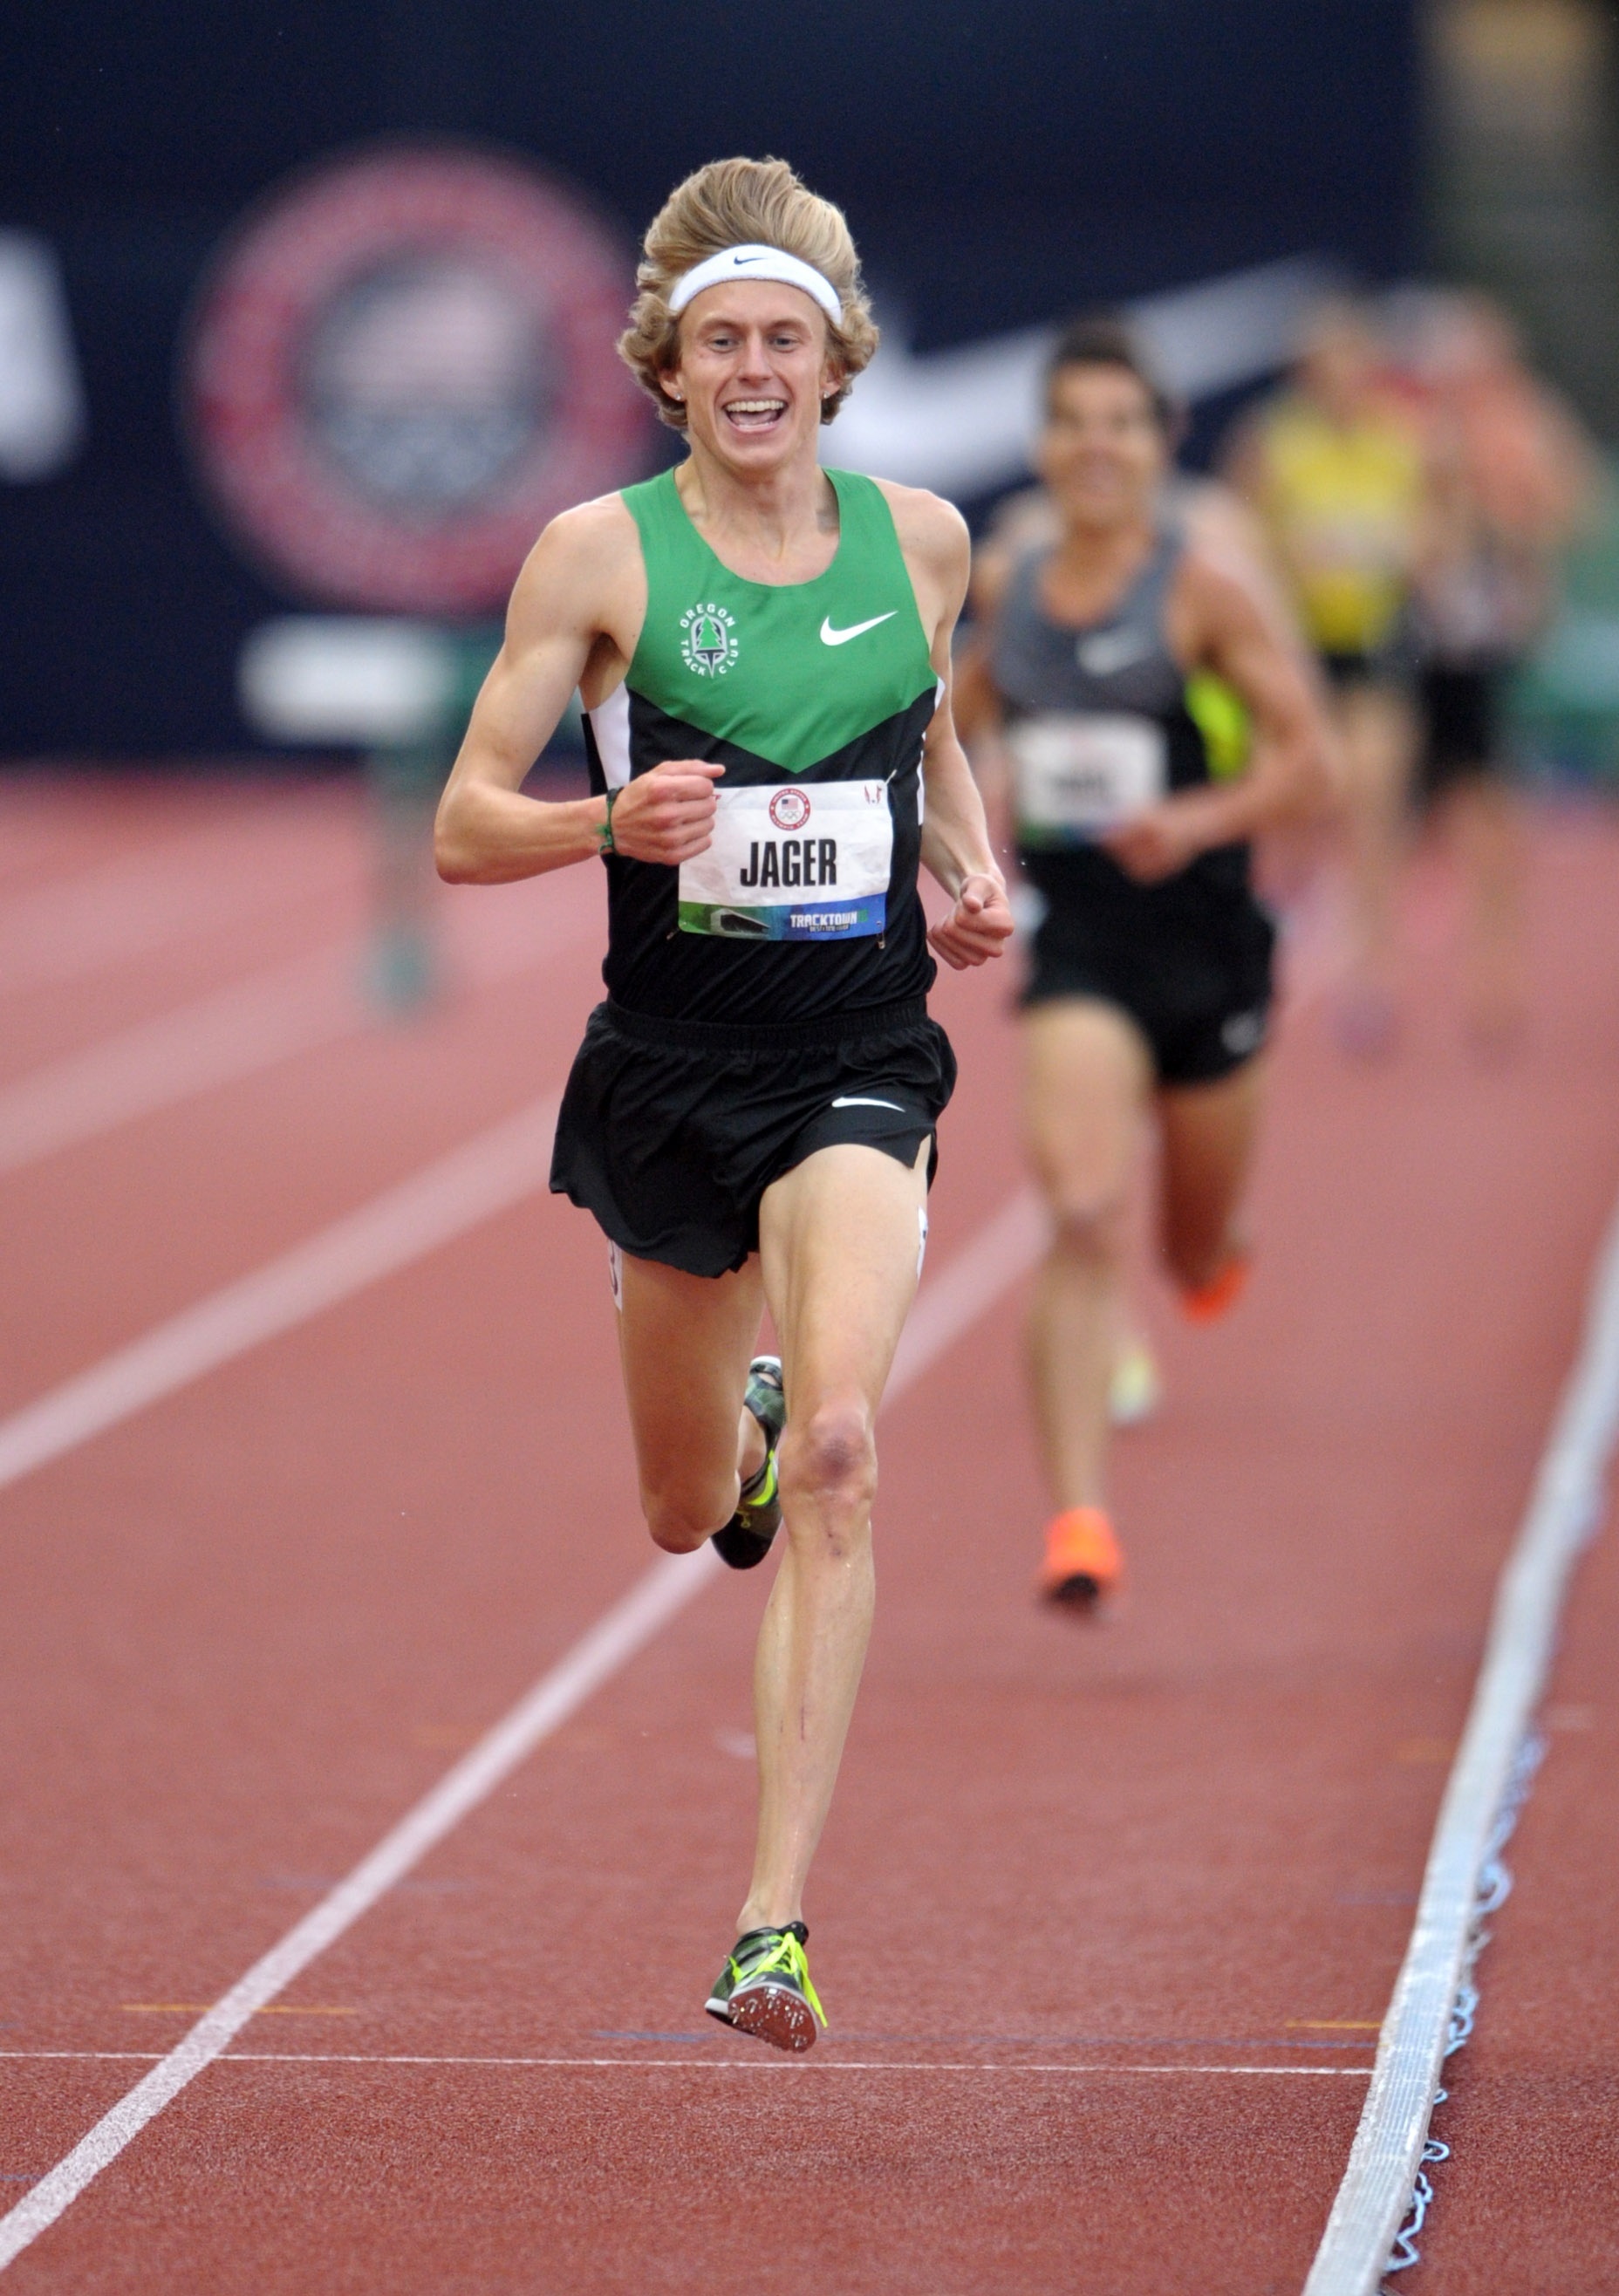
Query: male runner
1333	467
1214	519
763	650
1510	474
1116	660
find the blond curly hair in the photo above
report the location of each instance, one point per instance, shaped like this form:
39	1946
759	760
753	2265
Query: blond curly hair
735	203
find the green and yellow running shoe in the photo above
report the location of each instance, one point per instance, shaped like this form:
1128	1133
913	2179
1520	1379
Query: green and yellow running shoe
746	1539
764	1989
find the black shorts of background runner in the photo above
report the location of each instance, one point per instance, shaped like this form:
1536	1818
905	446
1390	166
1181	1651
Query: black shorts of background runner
1460	724
1189	961
1387	666
671	1131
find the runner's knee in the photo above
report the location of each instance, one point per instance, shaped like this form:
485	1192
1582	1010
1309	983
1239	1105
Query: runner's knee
681	1516
829	1469
1090	1224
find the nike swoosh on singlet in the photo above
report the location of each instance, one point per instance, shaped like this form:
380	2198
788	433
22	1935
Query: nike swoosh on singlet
1112	650
852	1100
829	637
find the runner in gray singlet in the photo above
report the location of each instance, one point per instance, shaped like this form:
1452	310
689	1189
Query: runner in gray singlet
1142	717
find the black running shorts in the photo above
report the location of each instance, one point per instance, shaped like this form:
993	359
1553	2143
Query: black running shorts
1461	727
672	1130
1194	974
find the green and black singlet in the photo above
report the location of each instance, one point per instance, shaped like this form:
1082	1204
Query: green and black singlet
815	697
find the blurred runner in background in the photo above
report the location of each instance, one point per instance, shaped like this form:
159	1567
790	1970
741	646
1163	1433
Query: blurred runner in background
1508	472
1215	520
1333	467
1151	719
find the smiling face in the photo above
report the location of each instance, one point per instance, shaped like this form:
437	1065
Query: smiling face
1103	451
1339	365
753	373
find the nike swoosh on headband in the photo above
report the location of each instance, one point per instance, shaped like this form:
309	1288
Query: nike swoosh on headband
765	262
852	1100
829	637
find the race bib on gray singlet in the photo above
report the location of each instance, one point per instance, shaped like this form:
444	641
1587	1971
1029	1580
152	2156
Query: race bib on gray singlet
1077	776
793	861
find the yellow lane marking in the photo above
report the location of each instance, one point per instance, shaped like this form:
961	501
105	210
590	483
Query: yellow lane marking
201	2008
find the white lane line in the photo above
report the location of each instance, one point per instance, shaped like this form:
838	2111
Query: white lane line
268	857
248	1025
760	2064
943	1310
496	1170
1313	948
255	1023
954	1300
1565	1510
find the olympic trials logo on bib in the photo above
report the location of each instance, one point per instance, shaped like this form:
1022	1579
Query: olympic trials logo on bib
709	640
789	809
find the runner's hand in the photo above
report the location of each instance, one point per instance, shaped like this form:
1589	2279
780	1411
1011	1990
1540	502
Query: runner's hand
978	927
1156	843
667	815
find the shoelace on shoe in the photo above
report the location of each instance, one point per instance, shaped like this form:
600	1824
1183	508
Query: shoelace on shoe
786	1955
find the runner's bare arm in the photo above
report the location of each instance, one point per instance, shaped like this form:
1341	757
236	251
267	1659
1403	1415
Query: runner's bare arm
976	707
1219	624
956	849
574	619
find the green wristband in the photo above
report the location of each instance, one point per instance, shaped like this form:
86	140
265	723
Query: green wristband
604	835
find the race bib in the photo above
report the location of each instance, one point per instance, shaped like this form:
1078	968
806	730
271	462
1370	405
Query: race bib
1077	776
792	861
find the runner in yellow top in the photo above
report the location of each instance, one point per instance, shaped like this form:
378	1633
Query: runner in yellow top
1334	468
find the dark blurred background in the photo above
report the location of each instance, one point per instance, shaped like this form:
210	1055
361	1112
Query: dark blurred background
1000	168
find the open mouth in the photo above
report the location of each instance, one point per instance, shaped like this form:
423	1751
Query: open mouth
749	414
1100	481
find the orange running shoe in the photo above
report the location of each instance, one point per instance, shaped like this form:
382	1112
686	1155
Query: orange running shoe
1083	1562
1221	1293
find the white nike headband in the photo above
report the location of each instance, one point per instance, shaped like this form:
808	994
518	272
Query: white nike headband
754	262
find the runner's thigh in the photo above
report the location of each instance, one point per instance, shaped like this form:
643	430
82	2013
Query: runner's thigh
1087	1073
686	1342
841	1238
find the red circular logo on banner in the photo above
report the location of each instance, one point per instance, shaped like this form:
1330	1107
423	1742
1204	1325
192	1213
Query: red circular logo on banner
789	808
403	366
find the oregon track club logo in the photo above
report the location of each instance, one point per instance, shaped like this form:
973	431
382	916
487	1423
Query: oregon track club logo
401	366
707	639
789	809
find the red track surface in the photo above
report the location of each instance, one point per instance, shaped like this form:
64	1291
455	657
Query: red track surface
1105	1920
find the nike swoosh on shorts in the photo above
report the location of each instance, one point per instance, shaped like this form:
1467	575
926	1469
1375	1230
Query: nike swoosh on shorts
829	637
854	1099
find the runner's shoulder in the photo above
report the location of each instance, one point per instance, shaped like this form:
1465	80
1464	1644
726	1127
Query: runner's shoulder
933	540
586	571
1220	588
926	523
